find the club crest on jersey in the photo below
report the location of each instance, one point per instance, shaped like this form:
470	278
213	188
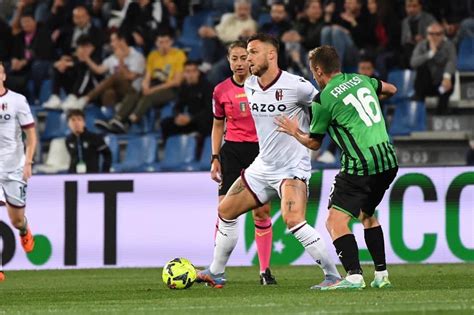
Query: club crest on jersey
279	94
243	108
4	106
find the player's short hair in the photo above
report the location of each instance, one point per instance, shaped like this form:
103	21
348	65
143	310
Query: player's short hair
236	44
265	38
75	113
326	58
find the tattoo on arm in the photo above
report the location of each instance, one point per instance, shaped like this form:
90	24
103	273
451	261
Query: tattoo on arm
236	188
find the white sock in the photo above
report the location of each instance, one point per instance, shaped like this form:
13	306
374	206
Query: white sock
381	274
226	239
315	247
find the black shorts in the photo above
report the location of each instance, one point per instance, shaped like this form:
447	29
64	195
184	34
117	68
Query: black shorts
353	193
235	156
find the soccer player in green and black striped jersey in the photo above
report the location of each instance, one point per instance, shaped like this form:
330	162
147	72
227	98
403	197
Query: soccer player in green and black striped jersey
348	109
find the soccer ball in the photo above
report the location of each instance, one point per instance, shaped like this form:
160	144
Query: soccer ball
179	273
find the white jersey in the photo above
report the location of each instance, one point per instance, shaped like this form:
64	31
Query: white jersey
15	114
288	95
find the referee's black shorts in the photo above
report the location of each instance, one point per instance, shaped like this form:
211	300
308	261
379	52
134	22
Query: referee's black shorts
353	193
235	156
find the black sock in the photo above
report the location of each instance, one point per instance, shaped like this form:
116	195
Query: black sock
346	249
375	245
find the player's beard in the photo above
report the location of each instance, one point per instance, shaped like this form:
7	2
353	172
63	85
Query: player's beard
259	71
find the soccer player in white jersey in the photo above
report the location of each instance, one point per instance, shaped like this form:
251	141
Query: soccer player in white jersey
281	169
15	164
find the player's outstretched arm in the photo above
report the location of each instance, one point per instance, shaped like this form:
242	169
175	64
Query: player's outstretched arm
291	127
31	142
217	134
388	90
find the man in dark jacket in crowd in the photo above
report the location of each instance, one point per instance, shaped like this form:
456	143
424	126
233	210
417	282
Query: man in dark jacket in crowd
193	108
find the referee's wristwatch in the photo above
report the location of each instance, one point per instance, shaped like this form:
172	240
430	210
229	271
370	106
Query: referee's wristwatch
215	157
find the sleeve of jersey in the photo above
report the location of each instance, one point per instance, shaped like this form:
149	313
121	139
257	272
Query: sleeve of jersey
377	84
217	106
320	121
306	92
25	118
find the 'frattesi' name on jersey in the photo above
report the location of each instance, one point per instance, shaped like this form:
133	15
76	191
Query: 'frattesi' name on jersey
341	88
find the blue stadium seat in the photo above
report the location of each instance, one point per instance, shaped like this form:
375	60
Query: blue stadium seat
93	113
409	116
466	55
145	125
404	80
167	110
180	154
113	143
140	153
55	125
204	161
45	91
264	18
189	39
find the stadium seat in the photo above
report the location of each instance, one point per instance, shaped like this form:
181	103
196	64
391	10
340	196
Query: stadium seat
189	39
113	142
93	113
264	18
167	110
465	56
404	80
140	153
409	116
45	91
204	161
180	154
55	125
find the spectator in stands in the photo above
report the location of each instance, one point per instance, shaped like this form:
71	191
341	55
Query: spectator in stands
124	70
232	26
73	76
192	110
386	48
414	27
60	15
32	57
277	26
164	74
449	14
466	28
435	62
36	8
366	66
7	7
85	147
5	40
308	28
142	21
348	32
66	38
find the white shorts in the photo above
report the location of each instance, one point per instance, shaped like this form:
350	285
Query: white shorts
13	188
265	185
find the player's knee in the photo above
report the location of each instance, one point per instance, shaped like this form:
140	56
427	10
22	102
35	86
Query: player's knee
261	213
225	211
292	220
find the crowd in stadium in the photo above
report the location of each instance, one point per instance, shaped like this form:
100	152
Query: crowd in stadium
149	67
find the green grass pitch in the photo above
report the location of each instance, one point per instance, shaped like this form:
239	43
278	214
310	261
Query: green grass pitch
418	289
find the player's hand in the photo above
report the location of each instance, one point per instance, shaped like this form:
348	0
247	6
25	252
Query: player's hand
216	171
27	171
447	84
287	125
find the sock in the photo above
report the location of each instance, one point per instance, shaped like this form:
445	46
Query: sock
375	245
24	229
226	239
315	247
263	238
346	249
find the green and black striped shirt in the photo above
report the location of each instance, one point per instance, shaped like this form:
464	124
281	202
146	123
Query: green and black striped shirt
348	110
